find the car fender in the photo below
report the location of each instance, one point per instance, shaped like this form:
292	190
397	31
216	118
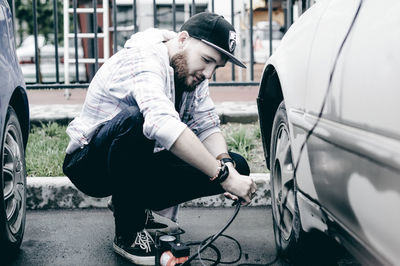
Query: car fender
284	76
13	88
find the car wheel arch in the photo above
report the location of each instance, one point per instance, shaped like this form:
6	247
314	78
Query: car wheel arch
19	102
269	97
312	218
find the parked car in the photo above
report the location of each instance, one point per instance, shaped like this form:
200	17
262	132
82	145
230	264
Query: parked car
14	130
329	114
47	64
261	40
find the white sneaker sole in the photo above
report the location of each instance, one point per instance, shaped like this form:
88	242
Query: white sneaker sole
150	260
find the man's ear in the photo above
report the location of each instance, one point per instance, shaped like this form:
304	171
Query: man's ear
183	37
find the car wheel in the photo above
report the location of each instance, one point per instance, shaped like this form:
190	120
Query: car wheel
286	220
13	180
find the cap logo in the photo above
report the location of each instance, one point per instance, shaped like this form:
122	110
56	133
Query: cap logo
232	41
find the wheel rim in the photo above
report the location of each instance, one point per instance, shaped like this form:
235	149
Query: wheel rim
283	183
14	180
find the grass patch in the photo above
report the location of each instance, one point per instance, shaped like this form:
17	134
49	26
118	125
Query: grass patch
240	141
47	143
46	150
245	139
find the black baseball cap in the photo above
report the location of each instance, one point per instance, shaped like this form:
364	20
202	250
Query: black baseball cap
215	31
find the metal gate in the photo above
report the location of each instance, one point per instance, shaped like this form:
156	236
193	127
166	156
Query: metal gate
84	51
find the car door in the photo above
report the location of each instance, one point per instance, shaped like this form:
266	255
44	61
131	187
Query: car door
331	31
355	158
368	87
5	75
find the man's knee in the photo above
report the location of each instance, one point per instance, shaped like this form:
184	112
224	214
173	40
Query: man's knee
241	164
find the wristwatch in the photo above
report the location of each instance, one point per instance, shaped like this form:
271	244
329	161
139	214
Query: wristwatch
223	172
227	158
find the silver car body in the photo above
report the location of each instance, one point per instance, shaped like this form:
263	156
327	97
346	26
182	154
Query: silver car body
26	57
14	125
348	176
12	85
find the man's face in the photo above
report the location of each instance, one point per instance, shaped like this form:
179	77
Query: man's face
196	62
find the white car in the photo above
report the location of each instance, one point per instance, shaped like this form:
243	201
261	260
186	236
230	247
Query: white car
261	40
47	66
329	115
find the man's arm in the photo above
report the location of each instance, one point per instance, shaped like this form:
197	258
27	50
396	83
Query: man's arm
190	149
216	144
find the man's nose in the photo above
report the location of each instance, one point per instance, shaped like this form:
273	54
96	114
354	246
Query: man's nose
208	72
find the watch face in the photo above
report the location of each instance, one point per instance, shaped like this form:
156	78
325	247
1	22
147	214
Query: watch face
223	163
224	173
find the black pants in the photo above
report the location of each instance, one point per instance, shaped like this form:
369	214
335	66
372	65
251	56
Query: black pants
119	161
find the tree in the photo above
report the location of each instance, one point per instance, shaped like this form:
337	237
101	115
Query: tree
45	18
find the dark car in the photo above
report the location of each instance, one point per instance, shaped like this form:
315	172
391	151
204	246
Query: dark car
329	116
14	125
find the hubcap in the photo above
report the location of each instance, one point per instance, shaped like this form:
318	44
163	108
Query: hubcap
14	180
283	182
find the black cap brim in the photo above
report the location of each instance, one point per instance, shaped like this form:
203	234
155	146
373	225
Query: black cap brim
231	57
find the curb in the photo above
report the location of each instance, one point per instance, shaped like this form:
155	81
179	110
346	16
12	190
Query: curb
60	193
59	113
237	112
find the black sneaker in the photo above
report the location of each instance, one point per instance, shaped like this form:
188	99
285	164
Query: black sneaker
141	252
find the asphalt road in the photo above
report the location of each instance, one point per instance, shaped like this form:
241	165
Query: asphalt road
84	237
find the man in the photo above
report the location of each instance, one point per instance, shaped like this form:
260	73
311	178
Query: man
148	133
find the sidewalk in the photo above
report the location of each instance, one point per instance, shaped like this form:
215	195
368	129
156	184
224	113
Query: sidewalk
233	104
77	96
59	192
238	112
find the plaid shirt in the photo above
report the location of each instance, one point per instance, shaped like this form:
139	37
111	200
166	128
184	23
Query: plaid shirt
141	72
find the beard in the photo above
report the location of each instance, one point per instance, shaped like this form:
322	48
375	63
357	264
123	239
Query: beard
181	72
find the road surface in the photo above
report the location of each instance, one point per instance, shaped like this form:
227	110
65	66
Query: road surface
84	237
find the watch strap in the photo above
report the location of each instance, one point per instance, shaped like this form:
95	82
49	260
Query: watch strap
228	160
222	172
223	155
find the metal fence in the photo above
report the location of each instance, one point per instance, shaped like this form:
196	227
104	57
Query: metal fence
71	21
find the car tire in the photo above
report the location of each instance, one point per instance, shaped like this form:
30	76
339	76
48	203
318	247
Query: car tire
13	180
285	211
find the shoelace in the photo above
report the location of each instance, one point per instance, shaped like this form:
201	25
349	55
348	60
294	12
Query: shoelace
143	239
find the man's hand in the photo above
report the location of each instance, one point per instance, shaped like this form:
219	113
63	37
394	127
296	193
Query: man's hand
189	148
239	186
